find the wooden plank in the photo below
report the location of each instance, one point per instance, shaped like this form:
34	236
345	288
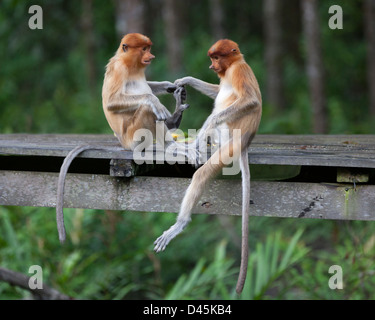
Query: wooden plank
308	150
154	194
315	150
59	145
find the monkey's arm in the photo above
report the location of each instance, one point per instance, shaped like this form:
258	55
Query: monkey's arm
234	112
161	87
130	102
209	89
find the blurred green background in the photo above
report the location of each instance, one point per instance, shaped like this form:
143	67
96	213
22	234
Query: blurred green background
50	82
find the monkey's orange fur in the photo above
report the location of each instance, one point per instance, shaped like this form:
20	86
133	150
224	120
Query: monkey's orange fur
129	104
127	98
238	105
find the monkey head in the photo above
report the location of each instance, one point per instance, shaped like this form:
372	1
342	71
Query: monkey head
136	50
222	54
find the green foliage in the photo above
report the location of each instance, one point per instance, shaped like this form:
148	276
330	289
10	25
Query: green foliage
354	255
108	255
45	88
266	264
269	262
209	282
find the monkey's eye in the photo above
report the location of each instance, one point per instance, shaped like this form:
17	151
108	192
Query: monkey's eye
216	58
144	48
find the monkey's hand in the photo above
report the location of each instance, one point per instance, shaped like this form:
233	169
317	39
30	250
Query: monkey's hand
158	109
193	155
200	145
161	87
161	113
180	95
183	81
162	242
170	87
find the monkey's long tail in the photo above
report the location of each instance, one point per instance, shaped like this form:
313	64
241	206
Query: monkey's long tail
60	188
245	171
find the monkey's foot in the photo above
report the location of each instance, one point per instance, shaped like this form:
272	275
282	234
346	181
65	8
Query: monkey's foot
162	242
180	95
182	107
193	156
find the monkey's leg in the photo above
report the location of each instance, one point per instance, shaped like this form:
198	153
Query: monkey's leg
172	148
191	197
143	118
173	122
200	178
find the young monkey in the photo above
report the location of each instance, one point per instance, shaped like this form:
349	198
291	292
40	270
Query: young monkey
238	105
130	103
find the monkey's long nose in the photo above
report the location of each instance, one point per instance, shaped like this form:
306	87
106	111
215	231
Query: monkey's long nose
211	67
151	56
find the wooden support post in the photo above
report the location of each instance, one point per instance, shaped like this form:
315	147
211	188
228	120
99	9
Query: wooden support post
352	175
122	168
128	168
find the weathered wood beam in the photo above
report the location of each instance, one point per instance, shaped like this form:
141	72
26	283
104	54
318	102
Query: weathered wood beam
306	150
154	194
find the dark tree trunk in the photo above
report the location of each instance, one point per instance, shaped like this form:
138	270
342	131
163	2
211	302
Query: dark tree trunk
89	43
129	16
217	19
292	30
369	14
273	53
314	65
172	31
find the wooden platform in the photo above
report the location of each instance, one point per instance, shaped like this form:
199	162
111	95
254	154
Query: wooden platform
309	176
308	150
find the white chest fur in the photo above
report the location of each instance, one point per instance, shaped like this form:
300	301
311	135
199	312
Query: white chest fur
221	101
138	86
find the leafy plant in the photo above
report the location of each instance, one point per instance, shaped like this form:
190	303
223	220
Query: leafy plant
269	262
215	281
201	278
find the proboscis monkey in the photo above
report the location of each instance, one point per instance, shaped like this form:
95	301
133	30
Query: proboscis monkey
130	103
238	105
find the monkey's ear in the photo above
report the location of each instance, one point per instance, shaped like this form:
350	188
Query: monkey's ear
125	47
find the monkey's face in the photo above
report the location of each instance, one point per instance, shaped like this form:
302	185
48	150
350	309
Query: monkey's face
146	55
216	64
138	57
135	49
220	64
222	54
